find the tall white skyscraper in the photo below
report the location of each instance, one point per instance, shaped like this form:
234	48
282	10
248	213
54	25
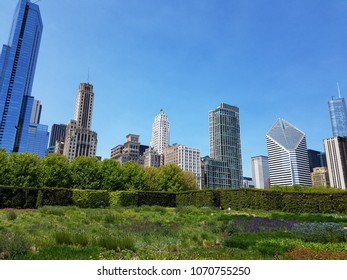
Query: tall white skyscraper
287	154
160	132
336	153
79	139
260	172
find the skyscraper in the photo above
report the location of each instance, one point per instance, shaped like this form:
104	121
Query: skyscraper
338	116
260	172
17	69
287	154
225	143
80	140
336	153
56	142
160	132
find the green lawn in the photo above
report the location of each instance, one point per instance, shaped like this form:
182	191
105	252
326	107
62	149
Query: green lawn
154	233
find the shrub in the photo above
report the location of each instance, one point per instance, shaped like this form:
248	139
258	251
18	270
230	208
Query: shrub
63	237
117	243
90	199
51	210
11	215
61	197
300	253
13	245
320	232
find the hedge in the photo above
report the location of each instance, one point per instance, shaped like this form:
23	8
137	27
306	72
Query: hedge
237	199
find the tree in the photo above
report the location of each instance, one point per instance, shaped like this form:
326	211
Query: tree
23	170
152	178
85	173
111	175
55	171
170	178
189	181
133	176
3	166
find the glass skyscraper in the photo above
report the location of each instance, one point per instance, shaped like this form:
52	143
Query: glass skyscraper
287	155
338	116
225	144
17	68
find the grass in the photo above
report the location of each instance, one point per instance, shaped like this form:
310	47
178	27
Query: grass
148	233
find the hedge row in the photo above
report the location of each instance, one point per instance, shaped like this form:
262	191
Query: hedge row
234	199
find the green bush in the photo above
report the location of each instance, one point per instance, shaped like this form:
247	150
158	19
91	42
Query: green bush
11	215
90	199
165	199
128	198
61	197
205	198
13	245
63	237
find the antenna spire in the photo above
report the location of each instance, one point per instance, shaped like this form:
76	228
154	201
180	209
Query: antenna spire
338	90
88	76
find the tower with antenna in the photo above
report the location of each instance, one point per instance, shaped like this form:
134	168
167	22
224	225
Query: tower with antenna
338	114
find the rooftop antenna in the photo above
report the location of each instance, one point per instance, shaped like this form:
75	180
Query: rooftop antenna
88	76
338	90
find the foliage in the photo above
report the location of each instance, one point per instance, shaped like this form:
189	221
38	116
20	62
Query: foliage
13	244
62	197
111	175
55	171
3	166
134	177
170	178
11	215
204	198
302	253
90	199
320	232
23	170
85	173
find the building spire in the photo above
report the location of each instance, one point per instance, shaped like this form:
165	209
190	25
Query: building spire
338	90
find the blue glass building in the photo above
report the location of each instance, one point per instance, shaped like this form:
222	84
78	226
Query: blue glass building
338	116
17	68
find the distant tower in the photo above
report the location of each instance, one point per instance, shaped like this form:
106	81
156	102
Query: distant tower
17	70
79	139
160	132
287	154
225	144
336	154
338	115
260	172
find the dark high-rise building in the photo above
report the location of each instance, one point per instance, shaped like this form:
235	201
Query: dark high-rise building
316	159
225	147
17	69
57	139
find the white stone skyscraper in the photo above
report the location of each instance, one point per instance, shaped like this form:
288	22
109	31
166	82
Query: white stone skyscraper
260	172
287	155
160	132
80	140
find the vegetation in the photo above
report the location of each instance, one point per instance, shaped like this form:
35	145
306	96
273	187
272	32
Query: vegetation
55	171
153	232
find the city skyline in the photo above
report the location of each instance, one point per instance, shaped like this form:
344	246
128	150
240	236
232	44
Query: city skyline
272	59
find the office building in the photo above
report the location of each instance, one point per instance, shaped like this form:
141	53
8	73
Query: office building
80	140
248	183
57	139
131	150
37	139
287	155
152	158
215	173
336	154
338	116
225	144
260	172
320	177
316	159
185	157
17	70
160	132
36	112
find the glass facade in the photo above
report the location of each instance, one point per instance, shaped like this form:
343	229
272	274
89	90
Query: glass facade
225	142
37	139
338	116
17	67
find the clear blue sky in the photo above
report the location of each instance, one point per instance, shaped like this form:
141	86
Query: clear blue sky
271	58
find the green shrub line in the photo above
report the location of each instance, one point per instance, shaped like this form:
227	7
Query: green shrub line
235	199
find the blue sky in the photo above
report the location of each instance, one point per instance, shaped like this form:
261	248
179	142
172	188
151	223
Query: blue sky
271	58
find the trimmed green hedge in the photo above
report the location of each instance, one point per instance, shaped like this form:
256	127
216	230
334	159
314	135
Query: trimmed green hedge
237	199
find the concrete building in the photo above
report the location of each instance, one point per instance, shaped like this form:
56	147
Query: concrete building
80	140
160	132
287	155
316	159
336	153
320	177
152	158
131	150
185	157
57	139
260	172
